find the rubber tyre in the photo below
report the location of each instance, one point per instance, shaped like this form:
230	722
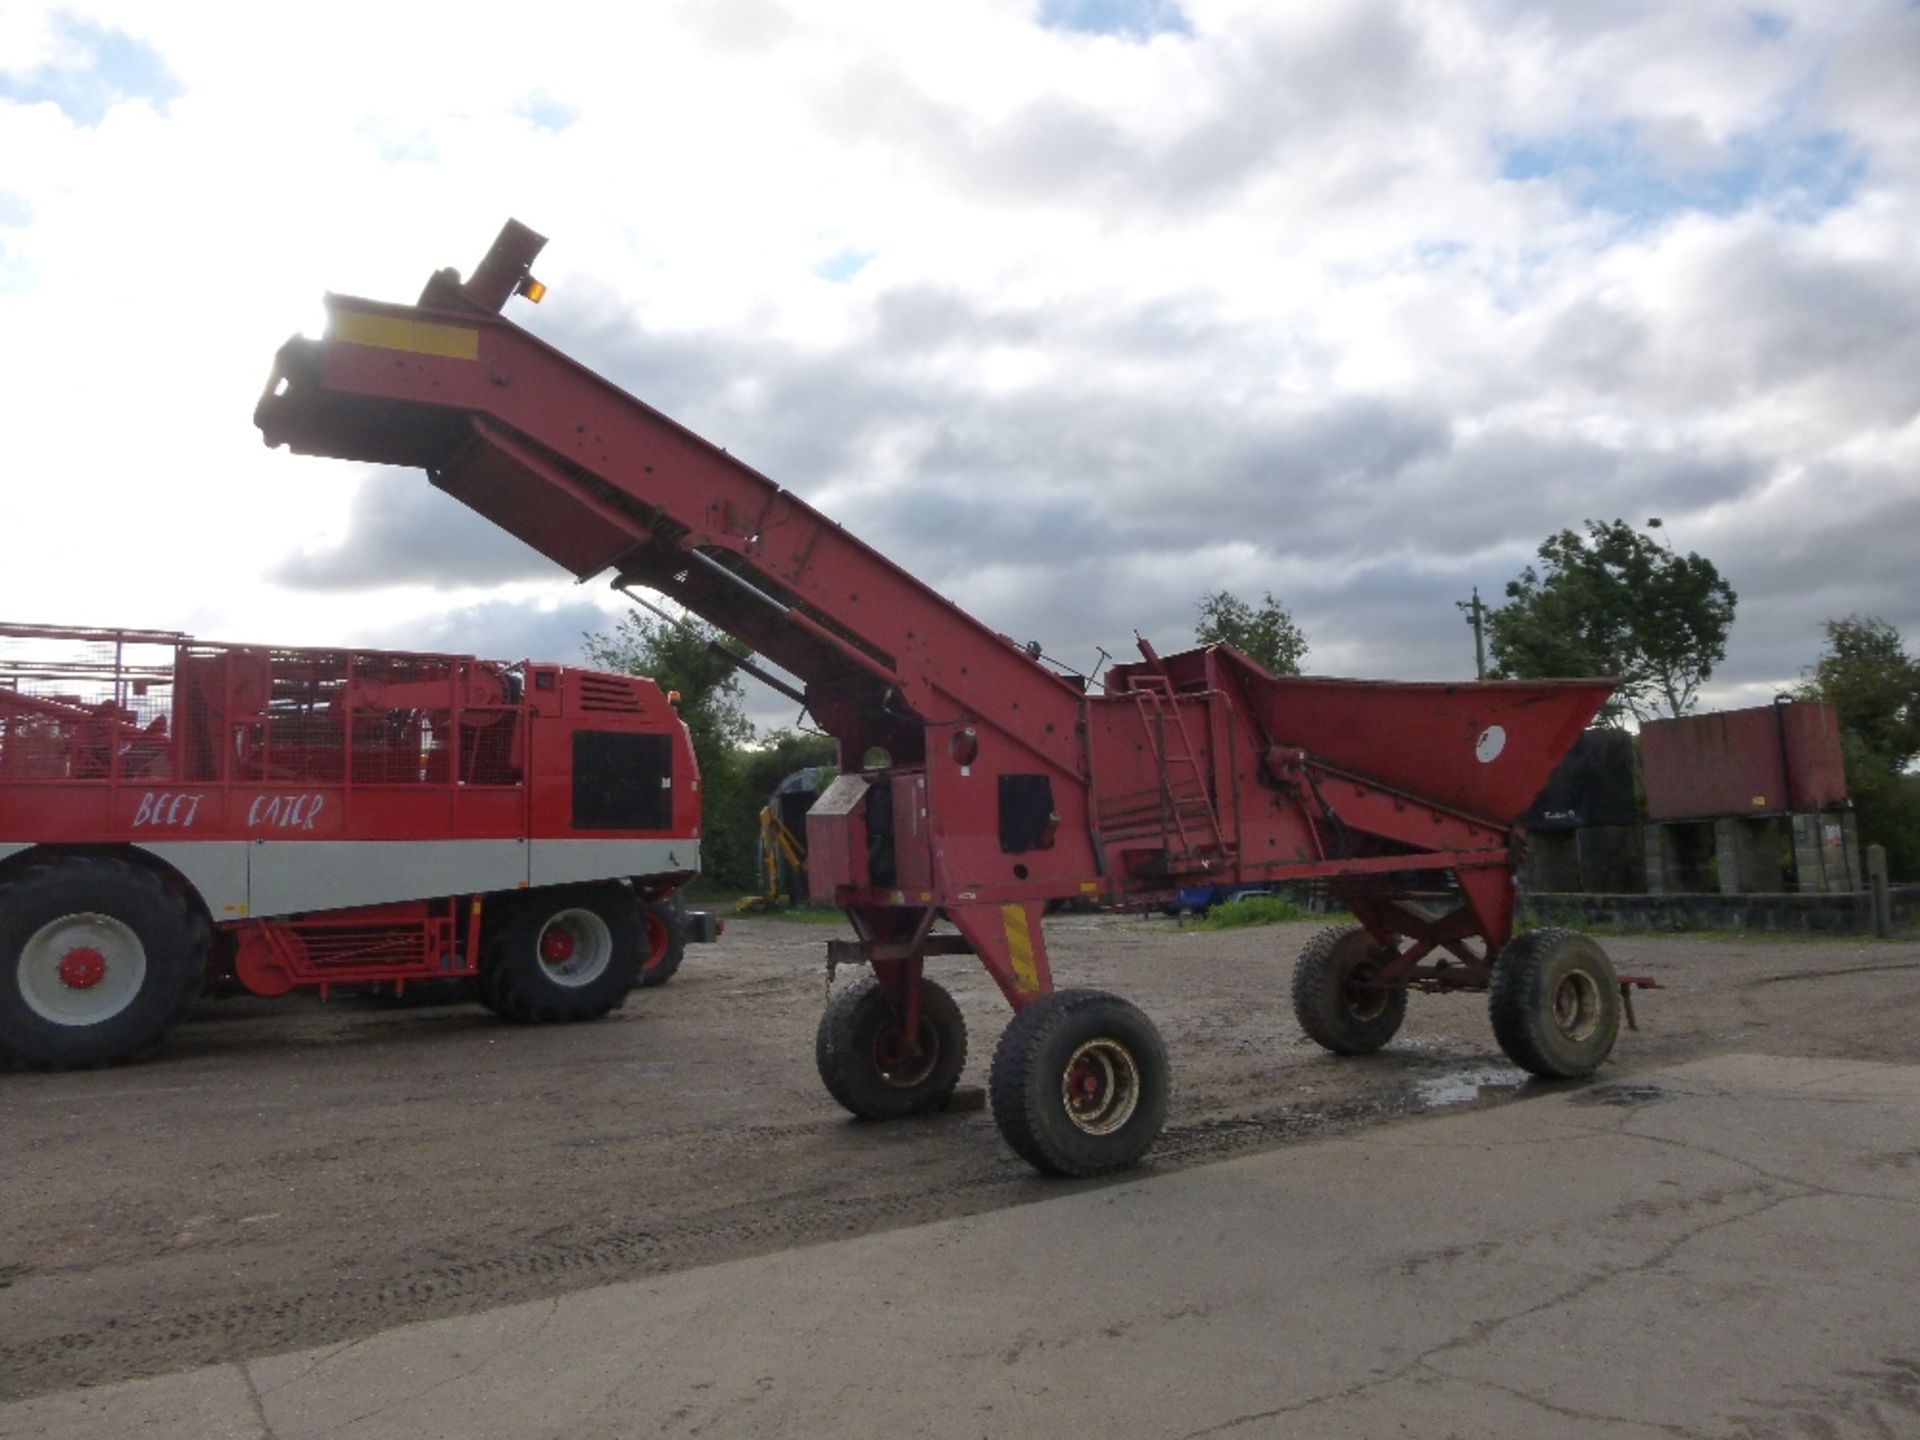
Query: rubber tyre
518	985
1330	1003
486	983
172	937
663	941
1555	1003
1097	1037
856	1033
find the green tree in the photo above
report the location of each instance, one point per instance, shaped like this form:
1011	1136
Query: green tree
1866	674
777	755
1266	636
1615	602
697	661
772	759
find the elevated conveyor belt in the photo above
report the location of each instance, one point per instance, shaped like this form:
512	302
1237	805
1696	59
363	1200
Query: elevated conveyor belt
599	481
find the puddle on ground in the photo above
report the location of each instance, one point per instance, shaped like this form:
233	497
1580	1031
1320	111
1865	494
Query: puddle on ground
1464	1086
1621	1094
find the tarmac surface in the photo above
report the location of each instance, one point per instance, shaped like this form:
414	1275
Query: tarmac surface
1724	1248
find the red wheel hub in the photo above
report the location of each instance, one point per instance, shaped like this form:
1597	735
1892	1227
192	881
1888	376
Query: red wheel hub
556	946
890	1048
82	967
1086	1083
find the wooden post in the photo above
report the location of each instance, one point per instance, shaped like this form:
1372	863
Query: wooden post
1877	893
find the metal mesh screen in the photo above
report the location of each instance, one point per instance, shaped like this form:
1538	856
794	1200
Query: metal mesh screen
403	708
84	706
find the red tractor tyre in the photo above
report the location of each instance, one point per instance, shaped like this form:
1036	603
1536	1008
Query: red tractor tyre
565	953
1080	1083
1334	999
663	941
866	1064
99	960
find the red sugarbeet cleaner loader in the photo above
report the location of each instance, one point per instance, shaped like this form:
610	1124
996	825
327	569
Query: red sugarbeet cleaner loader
978	782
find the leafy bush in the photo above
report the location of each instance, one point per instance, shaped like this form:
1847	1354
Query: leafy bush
1252	910
795	915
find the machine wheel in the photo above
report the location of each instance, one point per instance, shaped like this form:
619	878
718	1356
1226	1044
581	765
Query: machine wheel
1333	998
486	982
1555	1003
663	941
1080	1083
98	961
564	954
864	1060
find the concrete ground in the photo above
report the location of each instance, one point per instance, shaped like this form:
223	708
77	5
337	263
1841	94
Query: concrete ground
286	1175
1724	1247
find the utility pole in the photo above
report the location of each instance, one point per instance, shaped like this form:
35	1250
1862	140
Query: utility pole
1476	614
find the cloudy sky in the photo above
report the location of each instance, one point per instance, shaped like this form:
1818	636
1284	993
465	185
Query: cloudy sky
1076	308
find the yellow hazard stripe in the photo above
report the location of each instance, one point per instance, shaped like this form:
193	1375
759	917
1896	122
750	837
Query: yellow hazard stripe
416	337
1020	949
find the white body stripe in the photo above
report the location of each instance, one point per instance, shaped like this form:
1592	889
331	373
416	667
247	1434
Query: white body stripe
286	876
554	862
238	879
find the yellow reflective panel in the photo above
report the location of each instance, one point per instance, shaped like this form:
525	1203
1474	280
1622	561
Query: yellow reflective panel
416	337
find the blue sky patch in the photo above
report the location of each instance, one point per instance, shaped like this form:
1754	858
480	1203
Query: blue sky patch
547	114
1802	174
15	275
843	265
109	66
1129	19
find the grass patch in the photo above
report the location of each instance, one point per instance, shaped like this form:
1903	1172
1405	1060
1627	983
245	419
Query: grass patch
797	915
1252	910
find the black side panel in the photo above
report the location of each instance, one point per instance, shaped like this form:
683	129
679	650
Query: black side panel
1592	785
881	870
622	782
1026	813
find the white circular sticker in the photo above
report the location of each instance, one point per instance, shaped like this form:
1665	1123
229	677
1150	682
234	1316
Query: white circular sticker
1492	741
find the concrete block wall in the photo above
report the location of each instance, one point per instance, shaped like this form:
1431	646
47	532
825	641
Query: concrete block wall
1750	856
1681	858
1832	913
1603	859
1553	861
1811	854
1826	852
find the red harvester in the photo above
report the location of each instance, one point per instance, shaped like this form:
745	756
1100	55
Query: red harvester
979	783
173	811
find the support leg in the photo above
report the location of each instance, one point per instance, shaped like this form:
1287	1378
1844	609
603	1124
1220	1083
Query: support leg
1010	943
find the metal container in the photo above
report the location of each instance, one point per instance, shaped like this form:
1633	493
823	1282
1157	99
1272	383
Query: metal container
1774	759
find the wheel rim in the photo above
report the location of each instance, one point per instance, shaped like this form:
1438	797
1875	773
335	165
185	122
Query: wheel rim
1576	1005
575	948
1100	1087
81	969
1360	992
900	1066
657	939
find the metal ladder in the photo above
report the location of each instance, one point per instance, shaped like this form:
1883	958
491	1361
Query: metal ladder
1186	803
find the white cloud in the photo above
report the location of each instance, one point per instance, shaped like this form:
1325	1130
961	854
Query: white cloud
1355	302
